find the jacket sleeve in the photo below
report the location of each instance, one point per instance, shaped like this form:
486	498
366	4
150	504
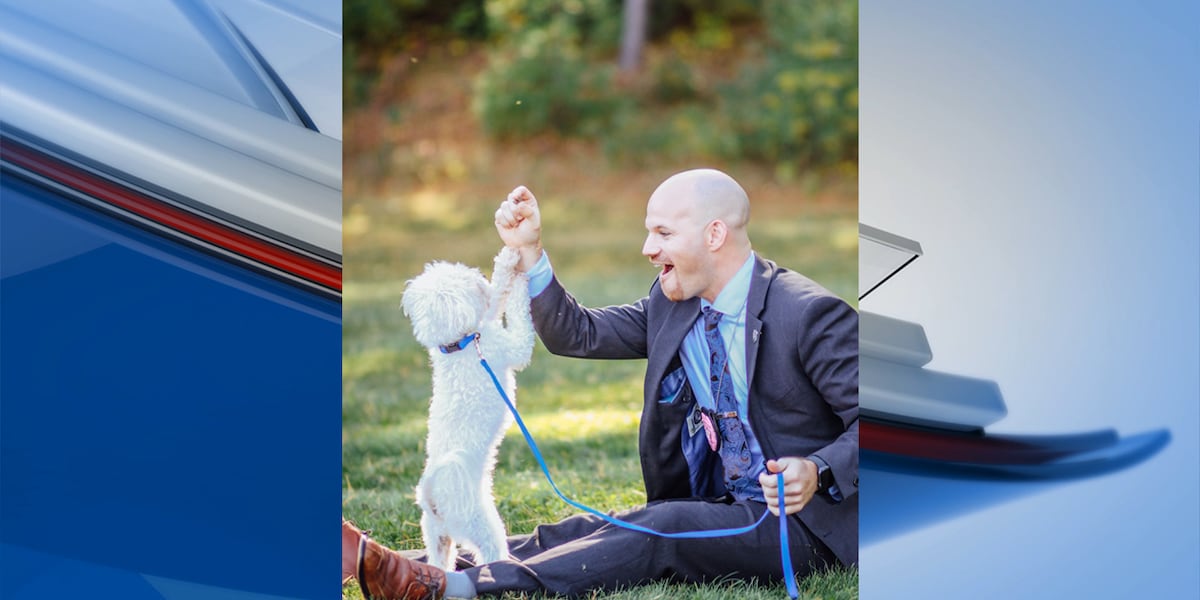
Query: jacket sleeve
569	329
829	353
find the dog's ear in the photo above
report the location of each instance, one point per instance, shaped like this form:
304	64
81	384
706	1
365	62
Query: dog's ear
416	289
408	299
444	302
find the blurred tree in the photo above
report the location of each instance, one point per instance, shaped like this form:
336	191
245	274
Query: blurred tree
633	34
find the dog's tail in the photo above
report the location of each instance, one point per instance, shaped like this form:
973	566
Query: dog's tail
447	484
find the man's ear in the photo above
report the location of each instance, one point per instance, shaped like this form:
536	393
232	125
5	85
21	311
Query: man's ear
716	234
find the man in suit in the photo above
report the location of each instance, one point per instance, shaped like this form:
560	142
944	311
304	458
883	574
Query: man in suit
751	370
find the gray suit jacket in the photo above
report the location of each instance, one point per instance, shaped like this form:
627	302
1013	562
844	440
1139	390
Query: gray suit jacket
801	362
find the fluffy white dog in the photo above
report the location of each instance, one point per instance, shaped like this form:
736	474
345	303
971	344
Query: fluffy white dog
449	304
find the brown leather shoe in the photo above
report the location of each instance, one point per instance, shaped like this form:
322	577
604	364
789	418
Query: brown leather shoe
350	537
384	574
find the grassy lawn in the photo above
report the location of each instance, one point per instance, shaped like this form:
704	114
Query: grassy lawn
584	414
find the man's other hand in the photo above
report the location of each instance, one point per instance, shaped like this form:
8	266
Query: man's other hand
799	483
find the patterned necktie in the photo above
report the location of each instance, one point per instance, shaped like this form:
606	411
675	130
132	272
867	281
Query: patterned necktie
735	452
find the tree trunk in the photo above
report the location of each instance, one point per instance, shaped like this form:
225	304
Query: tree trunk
633	34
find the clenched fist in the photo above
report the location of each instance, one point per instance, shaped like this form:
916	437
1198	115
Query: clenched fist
519	223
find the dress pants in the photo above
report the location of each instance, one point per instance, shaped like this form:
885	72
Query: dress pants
583	552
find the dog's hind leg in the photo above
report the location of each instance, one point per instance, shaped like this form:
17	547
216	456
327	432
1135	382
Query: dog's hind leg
439	545
492	541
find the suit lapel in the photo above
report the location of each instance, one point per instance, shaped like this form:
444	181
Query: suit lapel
760	280
679	321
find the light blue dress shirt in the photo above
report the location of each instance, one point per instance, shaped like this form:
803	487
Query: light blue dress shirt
540	276
731	302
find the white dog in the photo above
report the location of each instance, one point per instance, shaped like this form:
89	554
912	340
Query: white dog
449	304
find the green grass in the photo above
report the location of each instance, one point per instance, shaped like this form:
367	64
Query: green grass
841	584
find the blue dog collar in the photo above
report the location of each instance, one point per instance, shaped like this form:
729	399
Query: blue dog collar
459	345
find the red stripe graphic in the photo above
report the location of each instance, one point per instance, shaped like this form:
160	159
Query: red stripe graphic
180	220
960	447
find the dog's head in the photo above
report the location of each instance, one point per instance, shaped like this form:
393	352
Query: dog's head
445	302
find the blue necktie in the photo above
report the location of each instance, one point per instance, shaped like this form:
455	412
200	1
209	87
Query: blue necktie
734	451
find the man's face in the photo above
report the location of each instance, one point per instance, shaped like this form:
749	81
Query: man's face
675	244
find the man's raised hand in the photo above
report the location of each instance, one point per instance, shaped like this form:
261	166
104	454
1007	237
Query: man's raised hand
519	223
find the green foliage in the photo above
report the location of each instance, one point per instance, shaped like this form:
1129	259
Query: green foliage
376	25
545	91
674	80
594	25
543	76
667	16
800	105
792	105
370	23
375	28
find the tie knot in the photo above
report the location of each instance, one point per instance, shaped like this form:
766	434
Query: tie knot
711	317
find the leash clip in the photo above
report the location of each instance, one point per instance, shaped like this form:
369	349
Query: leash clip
460	344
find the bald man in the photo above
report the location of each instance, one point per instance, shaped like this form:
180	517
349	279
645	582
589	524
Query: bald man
752	370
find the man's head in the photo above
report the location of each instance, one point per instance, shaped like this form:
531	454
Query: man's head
696	224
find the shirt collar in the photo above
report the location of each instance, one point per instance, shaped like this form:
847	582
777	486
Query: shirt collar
732	298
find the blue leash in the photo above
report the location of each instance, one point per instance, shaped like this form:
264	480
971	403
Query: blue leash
789	575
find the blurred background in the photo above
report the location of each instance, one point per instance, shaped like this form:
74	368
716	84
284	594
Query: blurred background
451	104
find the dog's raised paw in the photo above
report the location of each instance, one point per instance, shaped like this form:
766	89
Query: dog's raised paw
507	259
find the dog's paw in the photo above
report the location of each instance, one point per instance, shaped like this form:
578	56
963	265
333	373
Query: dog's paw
506	260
